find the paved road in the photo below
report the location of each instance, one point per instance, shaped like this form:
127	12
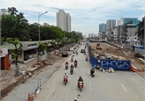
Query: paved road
118	86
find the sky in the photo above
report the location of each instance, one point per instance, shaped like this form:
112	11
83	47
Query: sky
86	15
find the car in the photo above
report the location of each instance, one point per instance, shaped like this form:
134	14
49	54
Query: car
82	50
64	54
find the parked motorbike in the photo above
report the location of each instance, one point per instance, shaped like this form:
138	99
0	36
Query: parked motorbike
65	80
80	85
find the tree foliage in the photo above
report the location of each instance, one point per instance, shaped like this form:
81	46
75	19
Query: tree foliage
15	25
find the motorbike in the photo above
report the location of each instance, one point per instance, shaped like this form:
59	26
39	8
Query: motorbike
65	80
92	74
71	71
75	64
86	58
71	59
80	85
76	53
66	66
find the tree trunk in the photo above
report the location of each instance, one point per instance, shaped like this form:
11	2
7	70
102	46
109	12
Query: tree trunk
17	67
48	54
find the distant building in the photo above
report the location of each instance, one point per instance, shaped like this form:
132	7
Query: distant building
4	11
102	27
63	20
110	24
127	26
46	24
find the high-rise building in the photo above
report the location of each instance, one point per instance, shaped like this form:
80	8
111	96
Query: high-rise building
110	24
102	27
63	20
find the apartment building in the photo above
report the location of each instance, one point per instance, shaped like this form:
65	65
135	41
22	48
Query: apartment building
63	20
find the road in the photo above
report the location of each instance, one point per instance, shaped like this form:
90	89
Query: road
118	86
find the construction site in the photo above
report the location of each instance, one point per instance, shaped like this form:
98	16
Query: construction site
103	50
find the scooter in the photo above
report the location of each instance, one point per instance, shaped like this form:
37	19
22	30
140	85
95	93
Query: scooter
66	66
80	85
92	73
75	64
86	58
71	71
65	80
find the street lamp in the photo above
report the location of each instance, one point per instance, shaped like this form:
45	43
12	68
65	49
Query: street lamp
39	15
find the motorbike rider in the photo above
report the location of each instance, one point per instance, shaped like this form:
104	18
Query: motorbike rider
92	71
65	75
76	61
66	65
80	79
86	57
71	67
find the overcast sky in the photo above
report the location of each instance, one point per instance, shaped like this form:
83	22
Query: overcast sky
85	14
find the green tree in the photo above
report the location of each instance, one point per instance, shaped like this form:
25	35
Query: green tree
33	31
8	26
22	27
12	11
41	48
15	52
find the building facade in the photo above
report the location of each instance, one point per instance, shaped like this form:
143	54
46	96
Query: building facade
127	26
110	24
102	27
63	20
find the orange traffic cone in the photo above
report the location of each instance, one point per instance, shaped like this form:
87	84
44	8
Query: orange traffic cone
29	97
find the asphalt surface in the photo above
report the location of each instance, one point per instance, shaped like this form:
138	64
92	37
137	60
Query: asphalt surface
118	86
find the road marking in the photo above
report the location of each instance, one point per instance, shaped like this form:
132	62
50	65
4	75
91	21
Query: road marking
50	93
139	76
123	87
90	87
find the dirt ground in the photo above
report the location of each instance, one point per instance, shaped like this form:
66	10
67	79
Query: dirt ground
8	80
118	54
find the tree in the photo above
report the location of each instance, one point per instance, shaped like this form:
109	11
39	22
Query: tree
41	48
33	31
15	52
14	25
8	26
53	43
12	11
22	27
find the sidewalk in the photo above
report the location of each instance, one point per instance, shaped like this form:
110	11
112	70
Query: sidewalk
7	79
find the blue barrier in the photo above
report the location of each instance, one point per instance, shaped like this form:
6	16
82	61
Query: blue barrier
115	64
106	64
